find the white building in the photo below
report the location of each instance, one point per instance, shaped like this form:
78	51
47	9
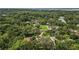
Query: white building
77	25
61	18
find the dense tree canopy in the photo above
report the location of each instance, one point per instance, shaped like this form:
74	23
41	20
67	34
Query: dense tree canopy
24	29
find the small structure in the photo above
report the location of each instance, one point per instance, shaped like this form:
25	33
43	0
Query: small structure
53	40
61	18
75	32
77	25
3	15
28	39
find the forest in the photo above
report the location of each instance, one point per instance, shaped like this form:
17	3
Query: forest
39	29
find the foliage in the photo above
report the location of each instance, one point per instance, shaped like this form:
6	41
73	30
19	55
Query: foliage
28	29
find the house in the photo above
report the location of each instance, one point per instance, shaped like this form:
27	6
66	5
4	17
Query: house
61	18
77	25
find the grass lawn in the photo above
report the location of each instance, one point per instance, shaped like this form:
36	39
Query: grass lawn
44	27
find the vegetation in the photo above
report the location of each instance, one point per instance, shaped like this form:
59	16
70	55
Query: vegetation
34	29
